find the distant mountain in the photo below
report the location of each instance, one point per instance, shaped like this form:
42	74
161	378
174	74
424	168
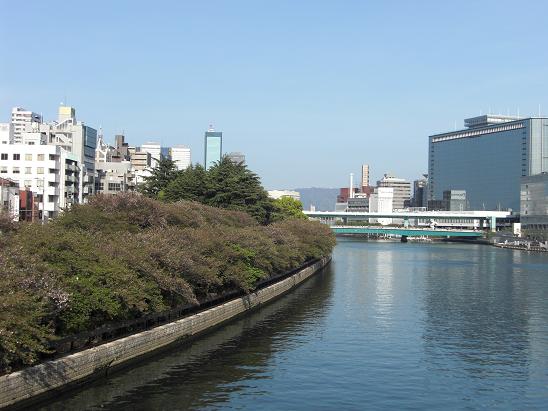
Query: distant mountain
323	198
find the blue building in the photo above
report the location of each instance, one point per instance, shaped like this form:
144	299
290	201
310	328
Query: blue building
488	160
213	146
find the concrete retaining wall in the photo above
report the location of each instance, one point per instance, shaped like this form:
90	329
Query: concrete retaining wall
94	362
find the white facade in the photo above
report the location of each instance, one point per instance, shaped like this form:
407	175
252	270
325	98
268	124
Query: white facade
381	201
402	190
155	151
6	133
277	194
181	156
20	118
47	170
72	136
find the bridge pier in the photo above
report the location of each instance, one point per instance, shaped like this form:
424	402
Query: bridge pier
493	224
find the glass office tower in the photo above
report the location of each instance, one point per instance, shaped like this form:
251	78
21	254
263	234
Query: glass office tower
488	159
213	148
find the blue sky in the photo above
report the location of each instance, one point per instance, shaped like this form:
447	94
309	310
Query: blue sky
308	90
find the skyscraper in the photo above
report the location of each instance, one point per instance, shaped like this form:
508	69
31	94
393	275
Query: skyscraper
213	147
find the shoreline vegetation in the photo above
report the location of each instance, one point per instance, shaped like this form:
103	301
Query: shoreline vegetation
127	256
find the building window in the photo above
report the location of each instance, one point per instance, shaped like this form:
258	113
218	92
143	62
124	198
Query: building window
28	183
3	170
28	157
28	170
39	183
40	170
17	156
16	170
4	156
40	157
114	187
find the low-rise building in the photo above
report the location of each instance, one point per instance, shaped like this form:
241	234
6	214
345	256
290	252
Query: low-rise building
9	197
114	177
534	206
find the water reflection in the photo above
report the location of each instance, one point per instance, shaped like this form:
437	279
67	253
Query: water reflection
389	326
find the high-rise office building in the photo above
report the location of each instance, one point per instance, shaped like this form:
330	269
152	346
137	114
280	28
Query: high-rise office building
402	190
20	118
181	157
365	175
213	147
487	159
155	151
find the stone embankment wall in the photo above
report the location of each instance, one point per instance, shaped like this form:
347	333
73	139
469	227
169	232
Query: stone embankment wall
32	382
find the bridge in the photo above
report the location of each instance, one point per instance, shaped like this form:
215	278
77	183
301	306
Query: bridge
405	232
490	217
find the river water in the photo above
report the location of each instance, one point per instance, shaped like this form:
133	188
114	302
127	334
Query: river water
386	326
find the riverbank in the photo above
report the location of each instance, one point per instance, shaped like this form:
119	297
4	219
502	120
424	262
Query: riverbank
116	265
32	384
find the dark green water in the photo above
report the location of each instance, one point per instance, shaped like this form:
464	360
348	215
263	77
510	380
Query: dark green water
387	326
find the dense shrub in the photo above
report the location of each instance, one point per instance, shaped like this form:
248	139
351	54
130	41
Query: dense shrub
123	257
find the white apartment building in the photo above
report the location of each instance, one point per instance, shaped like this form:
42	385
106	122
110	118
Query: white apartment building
155	151
47	170
381	201
20	118
181	156
72	136
402	190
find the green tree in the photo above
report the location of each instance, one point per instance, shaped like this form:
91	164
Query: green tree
287	207
234	186
190	184
163	174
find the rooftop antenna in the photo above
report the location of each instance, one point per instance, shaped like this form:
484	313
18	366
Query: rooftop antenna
518	111
210	127
539	110
455	125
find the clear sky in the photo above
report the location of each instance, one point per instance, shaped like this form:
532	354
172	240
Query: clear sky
308	90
